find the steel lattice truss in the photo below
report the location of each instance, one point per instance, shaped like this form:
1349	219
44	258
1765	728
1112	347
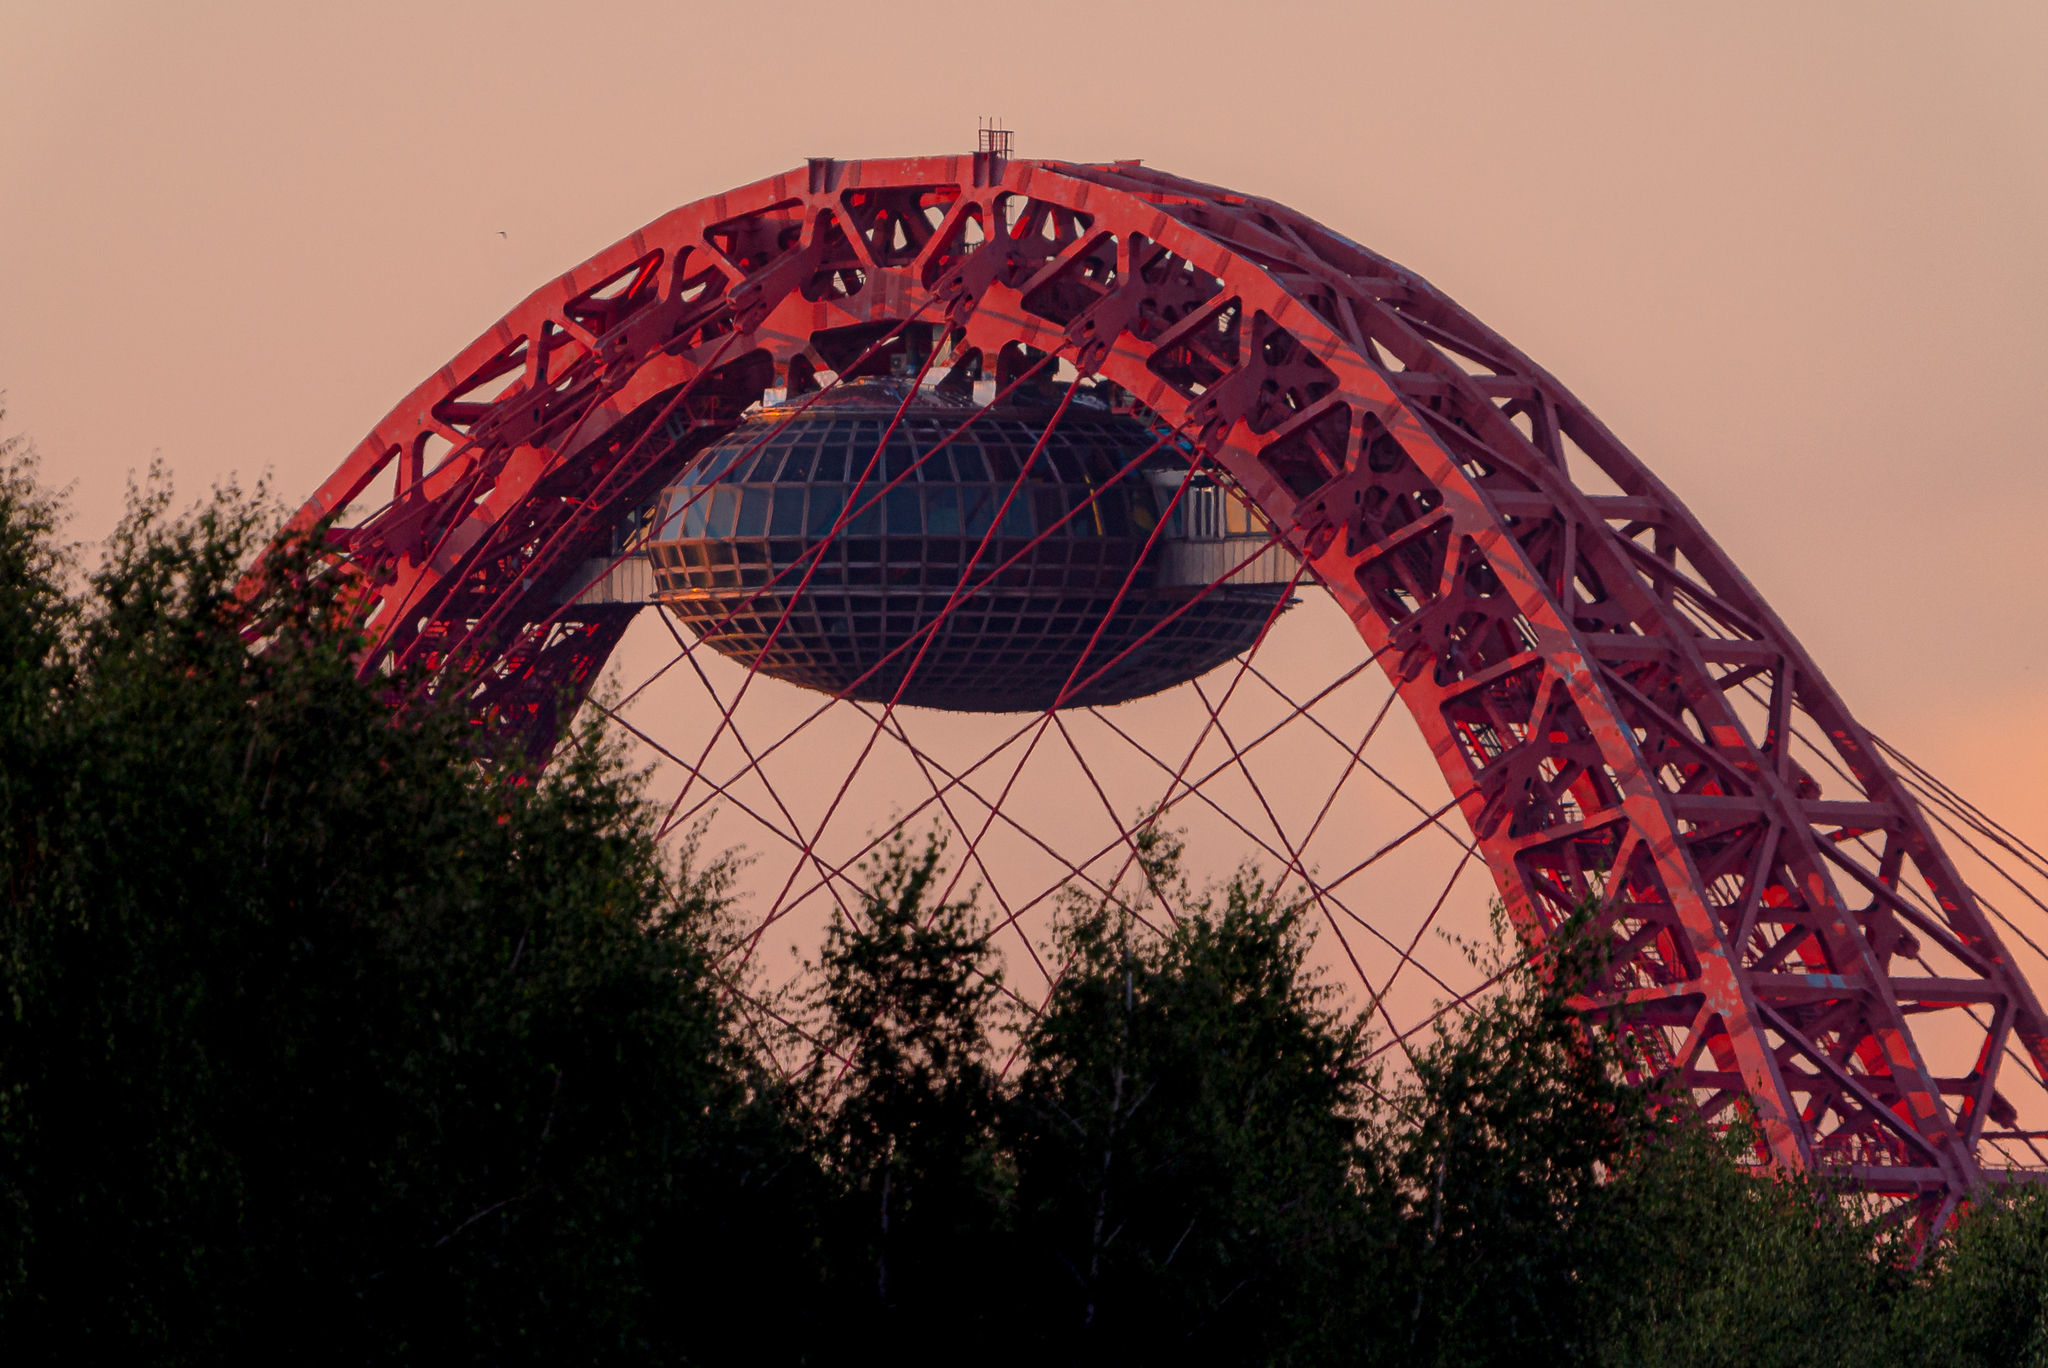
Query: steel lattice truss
1612	705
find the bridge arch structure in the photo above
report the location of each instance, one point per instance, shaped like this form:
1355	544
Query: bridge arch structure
1611	703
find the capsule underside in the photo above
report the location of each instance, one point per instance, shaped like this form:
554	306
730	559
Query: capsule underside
941	508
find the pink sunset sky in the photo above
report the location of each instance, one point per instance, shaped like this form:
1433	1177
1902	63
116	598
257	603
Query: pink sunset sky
1793	256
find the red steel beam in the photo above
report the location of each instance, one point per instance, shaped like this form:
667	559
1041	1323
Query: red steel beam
1568	656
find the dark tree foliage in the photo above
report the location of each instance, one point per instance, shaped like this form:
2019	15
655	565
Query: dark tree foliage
905	1094
324	1036
1192	1133
319	1033
1690	1259
1984	1297
1510	1122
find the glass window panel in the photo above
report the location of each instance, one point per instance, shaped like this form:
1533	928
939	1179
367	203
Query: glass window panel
1114	504
760	469
798	466
1017	517
981	508
673	528
967	461
860	458
826	501
1050	508
831	466
753	519
1087	517
899	458
788	518
865	522
942	511
1237	518
722	502
938	467
905	517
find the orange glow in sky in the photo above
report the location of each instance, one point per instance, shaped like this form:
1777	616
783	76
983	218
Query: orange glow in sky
1791	255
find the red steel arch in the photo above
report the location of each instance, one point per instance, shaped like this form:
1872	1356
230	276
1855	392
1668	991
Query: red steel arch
1577	660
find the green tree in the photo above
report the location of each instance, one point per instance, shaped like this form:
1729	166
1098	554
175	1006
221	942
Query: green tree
907	997
1511	1119
323	1034
1690	1256
1191	1131
1982	1296
1559	1213
328	1037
